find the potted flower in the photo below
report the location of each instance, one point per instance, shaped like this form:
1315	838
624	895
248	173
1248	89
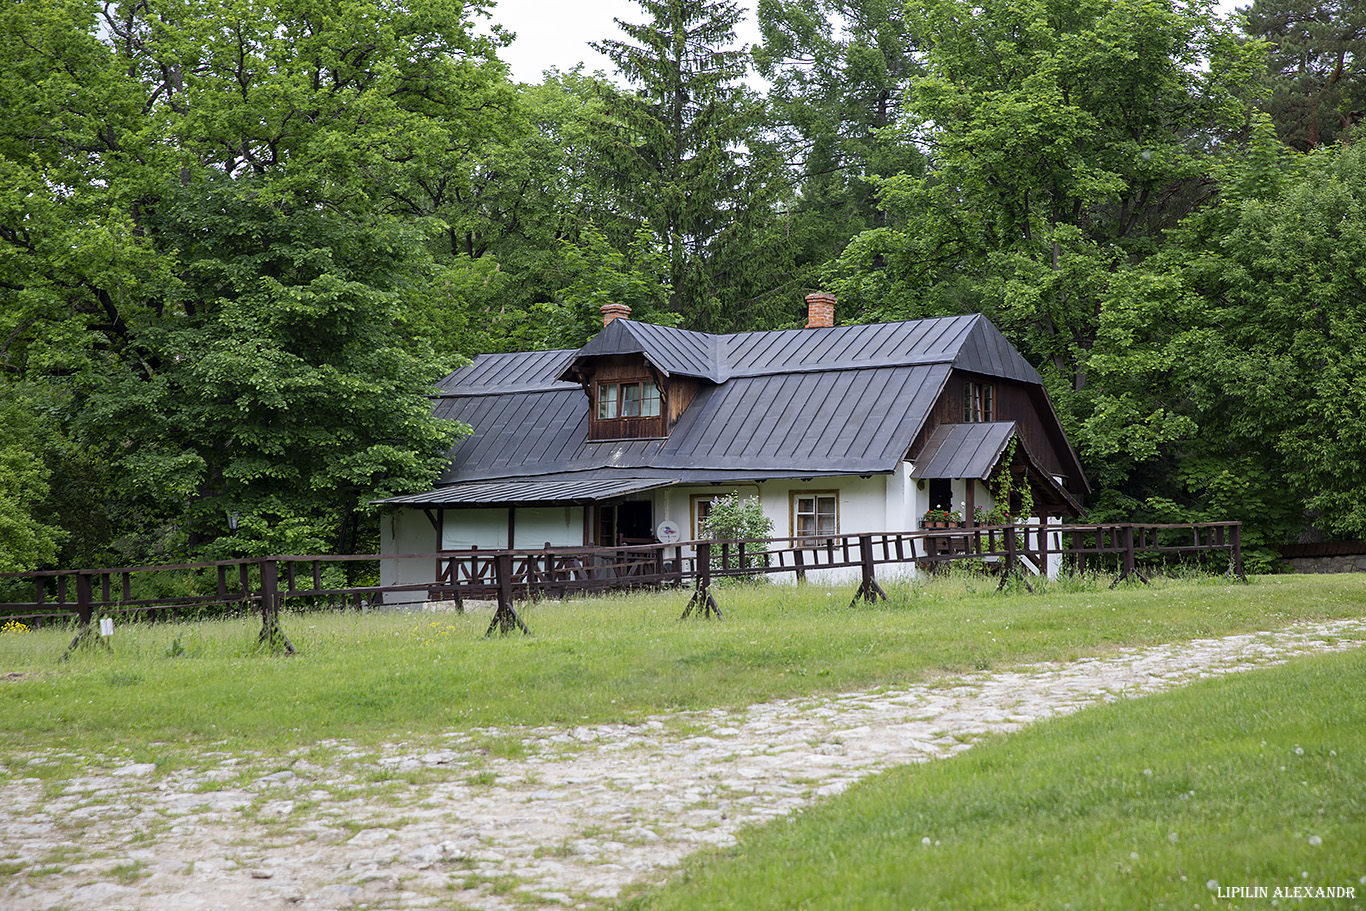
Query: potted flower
941	518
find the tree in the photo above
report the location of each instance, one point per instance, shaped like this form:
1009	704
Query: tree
839	70
1064	139
26	539
1316	67
1232	363
688	159
200	249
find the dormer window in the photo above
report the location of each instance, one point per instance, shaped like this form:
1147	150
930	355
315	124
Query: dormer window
628	400
978	404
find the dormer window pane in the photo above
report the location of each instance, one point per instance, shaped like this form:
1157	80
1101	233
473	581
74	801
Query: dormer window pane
977	402
630	400
607	401
649	400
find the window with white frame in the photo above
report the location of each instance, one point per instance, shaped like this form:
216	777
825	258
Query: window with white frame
815	513
628	400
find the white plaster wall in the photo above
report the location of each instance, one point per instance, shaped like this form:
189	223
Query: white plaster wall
407	531
873	504
482	527
533	526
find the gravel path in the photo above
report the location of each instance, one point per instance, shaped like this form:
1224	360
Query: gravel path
566	817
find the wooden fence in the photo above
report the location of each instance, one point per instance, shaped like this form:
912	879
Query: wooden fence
507	576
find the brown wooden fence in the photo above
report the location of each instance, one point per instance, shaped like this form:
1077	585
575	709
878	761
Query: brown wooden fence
507	576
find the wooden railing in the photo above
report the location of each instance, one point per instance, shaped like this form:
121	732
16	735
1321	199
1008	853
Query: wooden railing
508	576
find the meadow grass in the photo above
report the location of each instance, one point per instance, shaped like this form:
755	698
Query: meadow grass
386	676
1255	780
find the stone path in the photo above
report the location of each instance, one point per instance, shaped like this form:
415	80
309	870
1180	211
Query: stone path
566	817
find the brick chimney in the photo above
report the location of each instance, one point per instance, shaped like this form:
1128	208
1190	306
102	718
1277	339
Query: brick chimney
820	310
614	311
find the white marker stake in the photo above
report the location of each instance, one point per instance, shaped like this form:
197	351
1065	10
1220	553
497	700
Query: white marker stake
106	626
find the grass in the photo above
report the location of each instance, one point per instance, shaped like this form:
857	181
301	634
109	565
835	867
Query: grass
1256	780
396	676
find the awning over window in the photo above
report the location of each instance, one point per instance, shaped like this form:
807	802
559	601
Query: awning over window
963	450
530	491
974	451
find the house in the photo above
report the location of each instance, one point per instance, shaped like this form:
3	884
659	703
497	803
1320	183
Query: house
836	429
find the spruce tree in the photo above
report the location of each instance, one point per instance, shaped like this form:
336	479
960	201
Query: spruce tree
688	158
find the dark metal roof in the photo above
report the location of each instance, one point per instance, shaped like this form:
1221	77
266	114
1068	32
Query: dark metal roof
518	371
963	450
851	421
541	491
801	424
791	403
967	342
974	450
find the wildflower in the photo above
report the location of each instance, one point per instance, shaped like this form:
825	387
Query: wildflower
15	627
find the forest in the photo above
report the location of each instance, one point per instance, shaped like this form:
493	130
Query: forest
240	239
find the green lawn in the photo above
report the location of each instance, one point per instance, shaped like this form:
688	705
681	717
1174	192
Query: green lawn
1256	780
379	676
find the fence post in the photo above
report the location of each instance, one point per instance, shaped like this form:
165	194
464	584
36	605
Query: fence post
504	618
1129	562
272	636
84	613
868	589
702	597
1011	559
1236	544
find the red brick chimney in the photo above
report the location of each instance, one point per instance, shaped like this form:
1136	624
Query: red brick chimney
820	310
614	311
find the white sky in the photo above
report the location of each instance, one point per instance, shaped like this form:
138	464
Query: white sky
557	32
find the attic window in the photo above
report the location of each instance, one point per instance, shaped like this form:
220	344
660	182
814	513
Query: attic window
627	400
978	404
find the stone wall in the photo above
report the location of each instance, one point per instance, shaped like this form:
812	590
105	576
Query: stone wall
1339	563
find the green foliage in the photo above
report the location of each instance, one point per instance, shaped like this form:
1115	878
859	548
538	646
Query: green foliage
1316	67
1231	368
1065	139
688	160
199	253
733	518
27	539
839	70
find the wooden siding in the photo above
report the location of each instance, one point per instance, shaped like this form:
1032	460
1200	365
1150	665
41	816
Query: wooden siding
676	393
1012	401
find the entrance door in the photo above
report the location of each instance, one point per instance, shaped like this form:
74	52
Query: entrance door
631	522
635	522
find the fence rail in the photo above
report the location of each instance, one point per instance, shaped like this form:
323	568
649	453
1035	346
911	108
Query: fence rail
506	576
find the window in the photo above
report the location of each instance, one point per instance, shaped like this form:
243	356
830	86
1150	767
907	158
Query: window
627	400
607	401
701	508
977	402
815	514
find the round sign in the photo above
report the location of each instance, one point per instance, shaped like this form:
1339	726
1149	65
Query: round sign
667	532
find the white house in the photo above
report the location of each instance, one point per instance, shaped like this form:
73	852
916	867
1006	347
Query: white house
836	429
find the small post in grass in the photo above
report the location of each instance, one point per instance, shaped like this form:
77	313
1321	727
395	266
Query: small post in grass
84	614
702	597
1235	541
1012	564
868	589
504	618
272	636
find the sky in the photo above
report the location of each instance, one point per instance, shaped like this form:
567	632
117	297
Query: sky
556	32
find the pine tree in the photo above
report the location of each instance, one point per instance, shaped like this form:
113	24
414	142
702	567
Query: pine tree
1317	66
688	159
